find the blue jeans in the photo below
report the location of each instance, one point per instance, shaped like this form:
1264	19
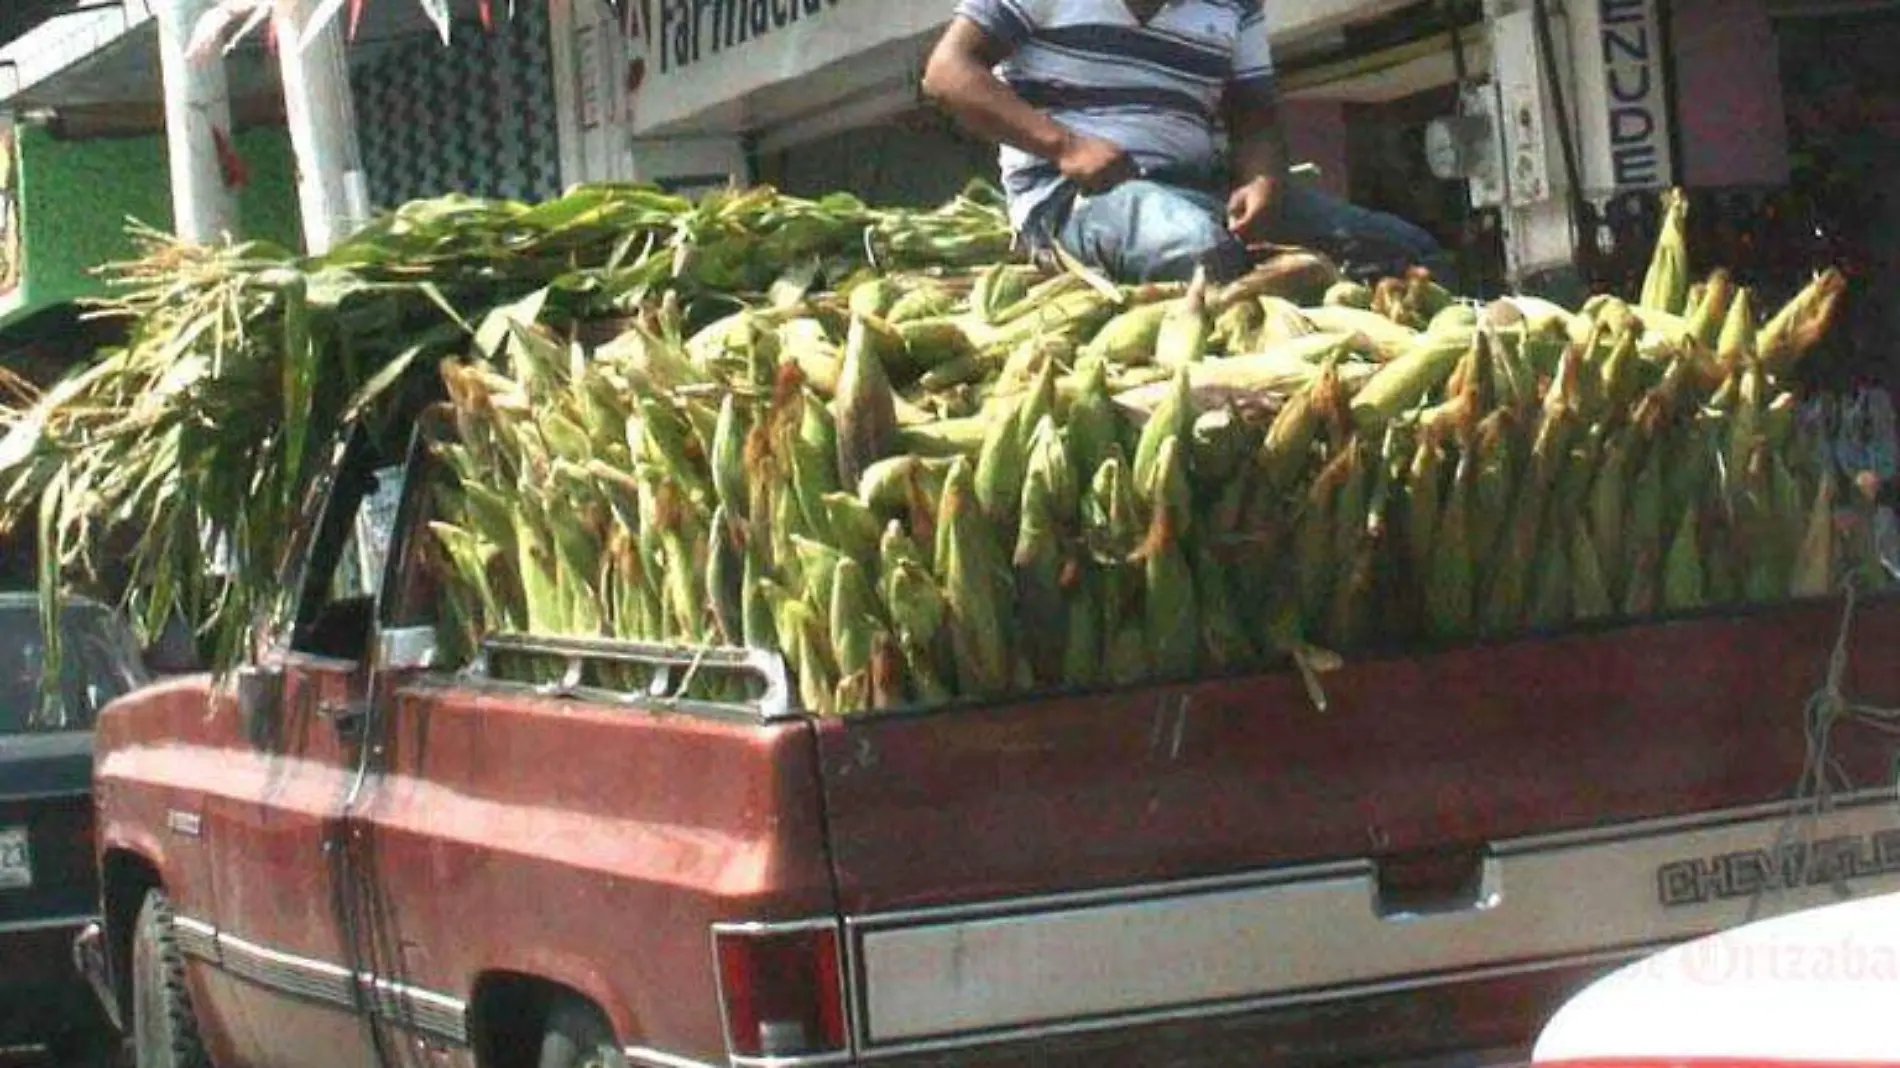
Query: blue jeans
1148	231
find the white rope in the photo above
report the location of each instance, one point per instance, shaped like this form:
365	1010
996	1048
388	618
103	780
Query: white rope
1822	773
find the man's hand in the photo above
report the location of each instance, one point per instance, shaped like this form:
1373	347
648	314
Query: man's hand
1094	164
1252	207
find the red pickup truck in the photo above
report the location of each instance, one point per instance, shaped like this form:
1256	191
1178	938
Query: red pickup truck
368	851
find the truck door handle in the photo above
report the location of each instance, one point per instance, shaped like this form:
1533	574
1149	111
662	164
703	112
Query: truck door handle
1438	883
347	718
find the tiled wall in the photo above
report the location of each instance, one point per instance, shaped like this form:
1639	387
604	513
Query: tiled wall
475	116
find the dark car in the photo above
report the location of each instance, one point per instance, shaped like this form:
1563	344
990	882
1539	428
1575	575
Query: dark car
48	880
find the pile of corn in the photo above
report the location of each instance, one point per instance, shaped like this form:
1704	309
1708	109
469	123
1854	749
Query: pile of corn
934	486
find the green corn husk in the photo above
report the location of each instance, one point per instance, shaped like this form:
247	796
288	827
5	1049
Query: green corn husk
925	299
1185	327
1424	499
1495	486
1083	649
1001	288
1450	604
1001	466
1814	563
725	578
1316	531
1709	315
1643	541
1050	501
1093	425
1799	326
1410	378
1666	286
1224	643
1349	295
1590	596
875	296
928	344
1552	585
1684	584
1281	321
728	457
1173	633
855	529
1238	329
1172	420
1128	338
854	618
1112	522
1358	524
866	413
758	630
975	578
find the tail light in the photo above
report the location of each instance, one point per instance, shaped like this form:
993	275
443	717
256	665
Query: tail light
781	990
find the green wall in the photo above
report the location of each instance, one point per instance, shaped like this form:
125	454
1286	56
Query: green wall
75	197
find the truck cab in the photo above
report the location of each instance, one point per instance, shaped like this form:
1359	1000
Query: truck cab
372	844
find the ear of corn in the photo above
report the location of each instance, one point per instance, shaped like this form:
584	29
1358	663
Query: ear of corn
1666	286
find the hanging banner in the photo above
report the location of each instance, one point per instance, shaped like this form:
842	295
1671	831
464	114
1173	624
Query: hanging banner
1623	76
693	56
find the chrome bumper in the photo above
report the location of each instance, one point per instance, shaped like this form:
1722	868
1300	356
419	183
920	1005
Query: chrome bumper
89	957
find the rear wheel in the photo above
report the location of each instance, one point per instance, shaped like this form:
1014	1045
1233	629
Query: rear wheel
164	1028
578	1036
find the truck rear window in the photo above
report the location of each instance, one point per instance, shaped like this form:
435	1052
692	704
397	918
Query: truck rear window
100	663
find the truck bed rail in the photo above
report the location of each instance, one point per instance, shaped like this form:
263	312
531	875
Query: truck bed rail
748	684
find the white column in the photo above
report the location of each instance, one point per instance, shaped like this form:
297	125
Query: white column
322	124
197	102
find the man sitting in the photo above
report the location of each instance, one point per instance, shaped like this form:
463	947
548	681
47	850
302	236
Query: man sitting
1106	111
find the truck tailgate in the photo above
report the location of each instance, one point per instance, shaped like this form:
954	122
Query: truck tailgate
1224	843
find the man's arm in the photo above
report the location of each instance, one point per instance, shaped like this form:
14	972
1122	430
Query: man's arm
1256	143
959	78
1259	145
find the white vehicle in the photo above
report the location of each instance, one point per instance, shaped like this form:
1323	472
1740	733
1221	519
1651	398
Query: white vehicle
1811	989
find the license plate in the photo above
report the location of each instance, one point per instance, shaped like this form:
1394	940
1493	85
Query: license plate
16	859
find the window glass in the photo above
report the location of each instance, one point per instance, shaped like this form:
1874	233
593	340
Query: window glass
100	662
359	571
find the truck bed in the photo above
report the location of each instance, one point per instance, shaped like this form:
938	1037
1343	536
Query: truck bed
1484	826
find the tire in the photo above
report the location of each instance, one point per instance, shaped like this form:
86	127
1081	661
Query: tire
578	1036
164	1028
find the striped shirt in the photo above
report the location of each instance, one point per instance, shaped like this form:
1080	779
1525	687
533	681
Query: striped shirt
1154	89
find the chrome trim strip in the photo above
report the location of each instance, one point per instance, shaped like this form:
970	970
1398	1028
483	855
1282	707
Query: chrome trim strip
926	975
408	1007
46	923
770	927
417	1010
1671	824
642	1057
288	973
197	939
814	1060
